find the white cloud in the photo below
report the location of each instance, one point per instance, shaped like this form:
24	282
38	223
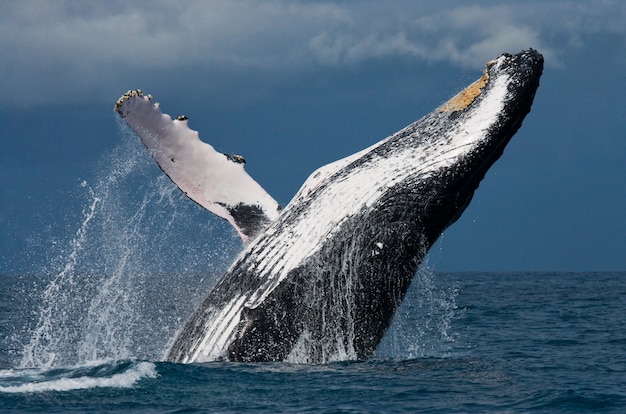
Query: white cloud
47	47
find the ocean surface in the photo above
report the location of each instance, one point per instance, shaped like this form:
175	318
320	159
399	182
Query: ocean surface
462	342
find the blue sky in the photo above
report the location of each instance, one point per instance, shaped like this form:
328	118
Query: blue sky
295	85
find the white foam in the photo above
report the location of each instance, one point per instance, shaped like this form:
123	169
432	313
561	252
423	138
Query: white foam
122	380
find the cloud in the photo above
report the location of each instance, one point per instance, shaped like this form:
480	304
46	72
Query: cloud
50	48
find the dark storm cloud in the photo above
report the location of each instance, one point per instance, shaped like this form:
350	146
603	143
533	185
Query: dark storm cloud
62	50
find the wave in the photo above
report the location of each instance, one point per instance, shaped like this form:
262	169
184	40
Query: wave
120	374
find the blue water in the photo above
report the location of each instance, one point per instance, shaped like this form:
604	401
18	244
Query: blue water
515	342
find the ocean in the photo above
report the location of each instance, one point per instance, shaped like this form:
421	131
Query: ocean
462	342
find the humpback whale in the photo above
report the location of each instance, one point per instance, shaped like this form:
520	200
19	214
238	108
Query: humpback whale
319	280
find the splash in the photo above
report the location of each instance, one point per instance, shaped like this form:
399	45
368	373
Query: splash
41	351
422	326
133	271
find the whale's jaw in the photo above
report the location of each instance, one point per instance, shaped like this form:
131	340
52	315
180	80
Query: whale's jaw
323	281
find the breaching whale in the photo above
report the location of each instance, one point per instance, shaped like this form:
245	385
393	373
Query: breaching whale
320	279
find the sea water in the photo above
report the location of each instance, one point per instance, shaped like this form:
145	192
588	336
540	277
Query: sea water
476	342
88	331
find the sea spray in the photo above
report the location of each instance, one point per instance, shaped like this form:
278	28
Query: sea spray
422	325
47	337
142	258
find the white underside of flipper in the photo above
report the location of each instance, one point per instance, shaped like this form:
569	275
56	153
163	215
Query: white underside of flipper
216	181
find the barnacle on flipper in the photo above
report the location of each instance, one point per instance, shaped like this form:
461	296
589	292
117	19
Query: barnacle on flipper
236	158
129	94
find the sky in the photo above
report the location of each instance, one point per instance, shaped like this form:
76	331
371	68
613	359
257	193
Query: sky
293	85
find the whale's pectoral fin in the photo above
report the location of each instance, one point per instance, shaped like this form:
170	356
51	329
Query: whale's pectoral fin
216	181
